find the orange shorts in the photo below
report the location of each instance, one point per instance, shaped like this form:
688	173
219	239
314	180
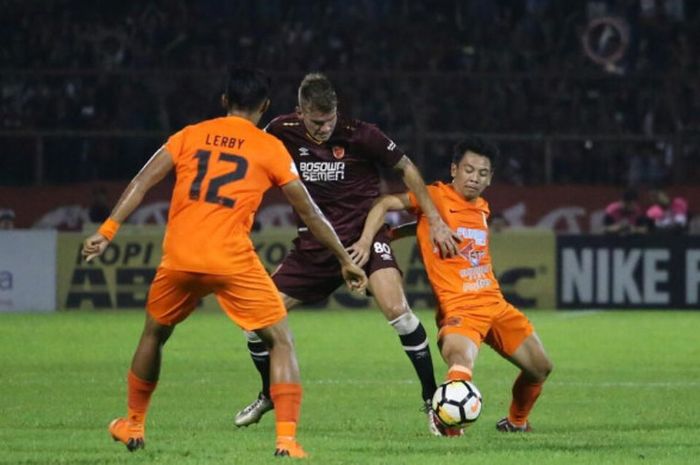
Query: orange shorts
500	325
249	298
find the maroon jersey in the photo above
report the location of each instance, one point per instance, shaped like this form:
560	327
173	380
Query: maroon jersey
342	174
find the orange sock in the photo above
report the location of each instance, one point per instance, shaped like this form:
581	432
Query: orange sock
139	396
459	372
287	400
525	393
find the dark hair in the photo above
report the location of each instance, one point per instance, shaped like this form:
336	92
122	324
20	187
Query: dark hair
317	92
476	145
246	88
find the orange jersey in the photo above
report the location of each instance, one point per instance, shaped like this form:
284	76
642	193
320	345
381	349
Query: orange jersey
466	280
223	166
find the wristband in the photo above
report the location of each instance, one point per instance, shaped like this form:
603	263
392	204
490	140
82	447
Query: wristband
109	228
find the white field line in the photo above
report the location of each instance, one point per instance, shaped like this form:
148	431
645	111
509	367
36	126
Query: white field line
359	381
571	314
632	384
603	384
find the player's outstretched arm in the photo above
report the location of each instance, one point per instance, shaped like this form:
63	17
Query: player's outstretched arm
153	171
359	251
441	235
319	226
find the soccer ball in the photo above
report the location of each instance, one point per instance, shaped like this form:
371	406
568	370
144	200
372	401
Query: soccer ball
457	403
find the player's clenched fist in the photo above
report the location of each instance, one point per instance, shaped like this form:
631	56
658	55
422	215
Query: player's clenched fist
94	246
355	278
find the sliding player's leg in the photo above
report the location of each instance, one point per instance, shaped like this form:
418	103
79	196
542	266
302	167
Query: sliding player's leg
535	367
513	336
459	353
461	332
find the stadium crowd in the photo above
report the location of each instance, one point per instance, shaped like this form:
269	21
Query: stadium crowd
414	68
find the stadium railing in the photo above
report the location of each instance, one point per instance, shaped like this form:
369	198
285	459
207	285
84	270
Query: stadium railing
37	157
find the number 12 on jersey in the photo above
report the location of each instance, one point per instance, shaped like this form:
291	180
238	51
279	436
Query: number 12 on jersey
212	193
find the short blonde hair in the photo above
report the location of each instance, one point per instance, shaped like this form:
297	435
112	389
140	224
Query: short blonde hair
317	92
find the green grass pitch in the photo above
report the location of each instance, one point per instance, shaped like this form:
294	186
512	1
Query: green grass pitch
625	390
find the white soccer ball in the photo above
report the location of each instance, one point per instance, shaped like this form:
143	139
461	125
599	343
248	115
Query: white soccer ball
457	403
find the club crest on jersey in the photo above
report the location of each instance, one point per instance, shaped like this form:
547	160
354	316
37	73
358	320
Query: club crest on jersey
338	151
303	151
470	253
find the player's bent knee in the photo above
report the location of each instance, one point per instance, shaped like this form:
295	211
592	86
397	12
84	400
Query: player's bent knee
547	368
277	337
157	330
540	372
282	344
405	323
395	311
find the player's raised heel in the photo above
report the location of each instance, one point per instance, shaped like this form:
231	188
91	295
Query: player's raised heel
253	412
505	426
290	448
129	435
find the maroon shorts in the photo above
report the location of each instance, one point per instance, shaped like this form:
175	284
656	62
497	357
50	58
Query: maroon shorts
312	275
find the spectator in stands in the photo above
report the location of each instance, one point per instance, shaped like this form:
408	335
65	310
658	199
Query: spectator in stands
667	215
625	216
7	218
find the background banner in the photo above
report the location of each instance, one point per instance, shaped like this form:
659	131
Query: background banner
628	272
27	271
119	279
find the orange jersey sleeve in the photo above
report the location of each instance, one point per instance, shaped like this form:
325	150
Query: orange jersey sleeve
223	167
468	278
